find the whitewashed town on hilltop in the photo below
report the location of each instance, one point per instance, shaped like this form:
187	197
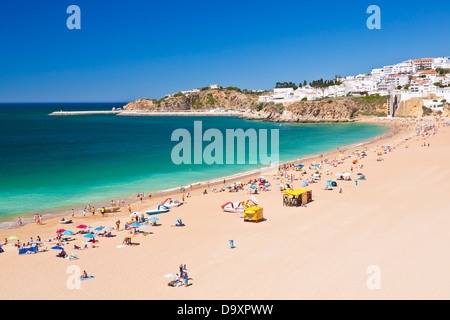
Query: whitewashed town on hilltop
408	79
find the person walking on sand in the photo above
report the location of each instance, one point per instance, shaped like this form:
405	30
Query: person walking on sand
19	221
118	224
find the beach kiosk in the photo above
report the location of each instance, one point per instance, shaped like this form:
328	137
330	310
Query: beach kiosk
295	198
253	214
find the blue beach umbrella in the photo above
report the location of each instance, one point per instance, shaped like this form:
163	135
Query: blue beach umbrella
108	229
152	219
57	248
89	235
98	229
135	224
67	233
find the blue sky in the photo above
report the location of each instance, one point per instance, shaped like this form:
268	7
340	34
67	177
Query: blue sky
128	50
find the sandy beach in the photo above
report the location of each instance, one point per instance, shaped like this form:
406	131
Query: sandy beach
395	222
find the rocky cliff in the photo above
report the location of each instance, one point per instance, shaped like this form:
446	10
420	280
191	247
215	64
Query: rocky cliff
202	100
415	108
332	110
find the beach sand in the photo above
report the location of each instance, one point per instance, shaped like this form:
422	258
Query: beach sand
395	222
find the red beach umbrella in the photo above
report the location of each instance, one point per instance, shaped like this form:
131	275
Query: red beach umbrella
81	226
60	230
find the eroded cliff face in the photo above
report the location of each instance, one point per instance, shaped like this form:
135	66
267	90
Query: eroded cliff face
410	108
335	110
414	107
203	100
332	110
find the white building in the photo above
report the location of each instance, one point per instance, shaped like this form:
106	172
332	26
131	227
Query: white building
421	64
443	63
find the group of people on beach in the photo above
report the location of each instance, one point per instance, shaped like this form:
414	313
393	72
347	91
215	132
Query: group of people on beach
181	278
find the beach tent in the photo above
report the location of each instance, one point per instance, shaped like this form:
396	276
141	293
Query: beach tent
295	198
253	214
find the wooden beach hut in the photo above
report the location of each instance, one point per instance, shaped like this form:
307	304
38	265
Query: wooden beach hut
253	214
295	198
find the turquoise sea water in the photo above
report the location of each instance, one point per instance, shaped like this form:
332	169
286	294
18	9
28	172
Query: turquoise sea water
60	162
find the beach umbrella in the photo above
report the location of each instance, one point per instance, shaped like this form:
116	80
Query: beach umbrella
89	235
253	187
299	166
57	248
13	238
60	230
108	229
98	229
36	242
360	174
152	219
130	236
67	233
135	224
145	226
355	161
82	226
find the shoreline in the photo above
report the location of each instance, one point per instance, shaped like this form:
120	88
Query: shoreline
328	245
57	213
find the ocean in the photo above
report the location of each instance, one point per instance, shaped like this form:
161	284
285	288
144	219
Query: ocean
56	163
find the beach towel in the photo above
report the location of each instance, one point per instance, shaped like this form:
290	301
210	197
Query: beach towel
89	277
